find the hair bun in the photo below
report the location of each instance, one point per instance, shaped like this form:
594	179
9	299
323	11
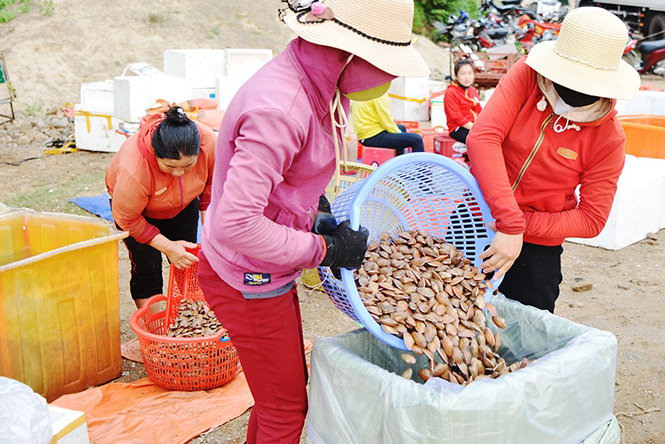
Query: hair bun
176	114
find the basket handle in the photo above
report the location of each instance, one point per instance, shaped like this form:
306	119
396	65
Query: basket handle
170	317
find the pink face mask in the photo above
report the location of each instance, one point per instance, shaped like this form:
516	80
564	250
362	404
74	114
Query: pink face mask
360	75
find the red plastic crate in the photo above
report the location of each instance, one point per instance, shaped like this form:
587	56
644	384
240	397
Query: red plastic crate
428	135
408	124
376	156
449	147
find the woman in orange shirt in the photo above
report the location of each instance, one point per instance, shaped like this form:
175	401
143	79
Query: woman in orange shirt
158	182
461	101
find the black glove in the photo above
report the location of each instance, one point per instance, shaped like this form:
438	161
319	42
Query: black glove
325	222
345	247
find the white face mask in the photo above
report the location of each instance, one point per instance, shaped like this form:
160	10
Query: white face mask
562	108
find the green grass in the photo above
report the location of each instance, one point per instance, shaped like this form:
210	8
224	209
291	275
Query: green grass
10	8
47	196
211	33
156	18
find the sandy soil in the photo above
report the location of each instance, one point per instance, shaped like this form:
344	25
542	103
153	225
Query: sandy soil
49	57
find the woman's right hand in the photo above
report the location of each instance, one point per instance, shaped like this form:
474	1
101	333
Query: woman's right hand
178	255
502	253
175	251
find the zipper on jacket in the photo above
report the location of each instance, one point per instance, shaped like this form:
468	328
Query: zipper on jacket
533	151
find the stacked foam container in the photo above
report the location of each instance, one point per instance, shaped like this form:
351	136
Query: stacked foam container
241	64
95	126
408	98
110	111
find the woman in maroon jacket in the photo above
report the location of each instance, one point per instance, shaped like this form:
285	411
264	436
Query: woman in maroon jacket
461	101
549	128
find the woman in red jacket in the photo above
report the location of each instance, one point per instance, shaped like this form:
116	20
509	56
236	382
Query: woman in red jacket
461	101
158	182
549	128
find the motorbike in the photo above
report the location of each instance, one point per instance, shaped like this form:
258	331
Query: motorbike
645	55
652	56
508	11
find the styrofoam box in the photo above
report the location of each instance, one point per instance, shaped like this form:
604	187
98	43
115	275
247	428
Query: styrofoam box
204	93
437	113
200	66
69	426
95	129
436	86
644	102
225	89
638	208
132	95
97	94
408	98
243	63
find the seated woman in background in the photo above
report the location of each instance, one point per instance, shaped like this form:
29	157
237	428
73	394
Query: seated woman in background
461	102
374	126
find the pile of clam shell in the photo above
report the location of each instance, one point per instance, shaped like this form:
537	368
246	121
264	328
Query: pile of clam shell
195	319
423	290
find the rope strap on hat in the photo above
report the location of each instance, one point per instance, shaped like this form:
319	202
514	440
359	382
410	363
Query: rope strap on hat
575	59
316	13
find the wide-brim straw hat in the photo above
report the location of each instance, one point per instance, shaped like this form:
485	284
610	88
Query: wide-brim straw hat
586	57
378	31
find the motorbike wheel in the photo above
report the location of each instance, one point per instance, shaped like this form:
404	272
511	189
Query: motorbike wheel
657	26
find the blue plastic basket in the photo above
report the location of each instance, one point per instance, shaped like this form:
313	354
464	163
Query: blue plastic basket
420	191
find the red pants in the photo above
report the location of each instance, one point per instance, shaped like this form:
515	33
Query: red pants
267	334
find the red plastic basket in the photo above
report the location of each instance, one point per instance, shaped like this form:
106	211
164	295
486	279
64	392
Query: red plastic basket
185	364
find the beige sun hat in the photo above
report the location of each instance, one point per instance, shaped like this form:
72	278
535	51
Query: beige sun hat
586	57
378	31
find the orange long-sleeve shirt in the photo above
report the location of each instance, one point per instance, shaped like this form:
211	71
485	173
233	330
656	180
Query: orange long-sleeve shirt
544	206
140	189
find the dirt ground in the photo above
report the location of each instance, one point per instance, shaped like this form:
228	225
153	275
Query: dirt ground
49	57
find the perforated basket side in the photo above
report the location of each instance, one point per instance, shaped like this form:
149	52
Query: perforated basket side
185	364
416	191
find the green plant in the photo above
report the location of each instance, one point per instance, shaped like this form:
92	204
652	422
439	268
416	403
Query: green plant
26	5
428	11
30	109
47	9
6	16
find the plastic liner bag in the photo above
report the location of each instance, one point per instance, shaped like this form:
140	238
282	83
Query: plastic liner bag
357	395
24	415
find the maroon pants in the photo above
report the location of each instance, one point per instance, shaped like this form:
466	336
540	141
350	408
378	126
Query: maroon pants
267	334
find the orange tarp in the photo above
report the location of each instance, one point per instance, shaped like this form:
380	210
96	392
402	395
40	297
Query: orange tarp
142	412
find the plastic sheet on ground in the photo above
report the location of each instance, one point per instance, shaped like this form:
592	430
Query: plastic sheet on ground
120	413
565	396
